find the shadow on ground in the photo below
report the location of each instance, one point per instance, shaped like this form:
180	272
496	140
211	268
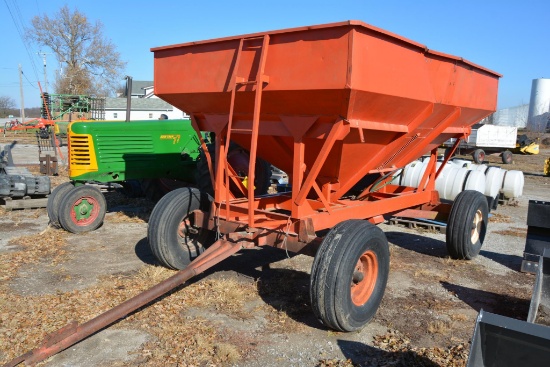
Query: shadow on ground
363	355
417	243
492	302
512	262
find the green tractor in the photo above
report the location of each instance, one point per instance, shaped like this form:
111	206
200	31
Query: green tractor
152	157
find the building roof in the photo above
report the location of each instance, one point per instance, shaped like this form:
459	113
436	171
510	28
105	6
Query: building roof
139	85
138	104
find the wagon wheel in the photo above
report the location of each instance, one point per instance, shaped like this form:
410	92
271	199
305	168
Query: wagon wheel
174	237
349	275
467	225
507	157
82	209
238	158
479	156
54	201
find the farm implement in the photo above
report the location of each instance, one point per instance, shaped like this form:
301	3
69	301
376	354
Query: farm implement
338	107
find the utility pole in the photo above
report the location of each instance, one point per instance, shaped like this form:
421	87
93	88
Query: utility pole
45	74
22	96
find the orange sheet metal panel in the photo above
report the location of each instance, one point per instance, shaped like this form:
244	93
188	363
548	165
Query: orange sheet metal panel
399	98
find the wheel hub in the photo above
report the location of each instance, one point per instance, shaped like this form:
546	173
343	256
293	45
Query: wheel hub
364	278
83	209
476	226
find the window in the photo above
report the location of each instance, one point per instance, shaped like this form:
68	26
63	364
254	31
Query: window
150	115
115	115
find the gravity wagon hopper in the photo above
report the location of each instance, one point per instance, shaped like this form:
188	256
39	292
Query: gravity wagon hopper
339	107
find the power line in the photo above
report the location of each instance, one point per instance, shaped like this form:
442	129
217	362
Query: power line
32	85
18	27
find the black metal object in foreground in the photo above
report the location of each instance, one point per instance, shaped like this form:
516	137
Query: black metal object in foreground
540	299
506	342
538	234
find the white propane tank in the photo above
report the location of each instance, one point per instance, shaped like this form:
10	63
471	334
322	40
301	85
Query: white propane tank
512	185
396	177
444	182
493	181
458	183
460	162
410	172
481	168
475	181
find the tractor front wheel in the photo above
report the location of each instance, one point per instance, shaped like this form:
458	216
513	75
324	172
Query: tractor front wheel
174	237
82	209
349	275
54	202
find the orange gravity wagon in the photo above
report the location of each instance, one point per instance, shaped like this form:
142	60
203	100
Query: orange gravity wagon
339	107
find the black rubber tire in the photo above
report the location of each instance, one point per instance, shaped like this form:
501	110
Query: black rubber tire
54	201
467	225
174	209
262	180
332	287
92	208
155	188
507	157
479	156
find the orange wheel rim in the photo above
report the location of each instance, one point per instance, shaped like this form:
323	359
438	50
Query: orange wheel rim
364	278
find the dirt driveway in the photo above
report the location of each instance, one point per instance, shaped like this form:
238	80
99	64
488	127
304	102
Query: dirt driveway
253	309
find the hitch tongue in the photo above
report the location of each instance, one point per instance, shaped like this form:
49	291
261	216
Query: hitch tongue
73	333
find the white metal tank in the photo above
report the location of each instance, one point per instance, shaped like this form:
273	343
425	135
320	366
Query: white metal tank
539	105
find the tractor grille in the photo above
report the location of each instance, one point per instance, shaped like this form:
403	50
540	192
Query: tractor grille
79	153
123	149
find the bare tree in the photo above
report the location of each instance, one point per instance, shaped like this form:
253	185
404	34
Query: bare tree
91	64
7	104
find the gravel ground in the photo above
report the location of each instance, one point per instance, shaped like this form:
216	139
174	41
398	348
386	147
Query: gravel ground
253	309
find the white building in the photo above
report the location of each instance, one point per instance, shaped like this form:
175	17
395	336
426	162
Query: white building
144	105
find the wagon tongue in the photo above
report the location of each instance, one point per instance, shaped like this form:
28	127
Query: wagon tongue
73	333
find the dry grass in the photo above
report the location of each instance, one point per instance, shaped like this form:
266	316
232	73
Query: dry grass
499	218
513	231
403	354
439	327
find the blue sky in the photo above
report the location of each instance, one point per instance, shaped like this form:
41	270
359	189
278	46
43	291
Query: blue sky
509	37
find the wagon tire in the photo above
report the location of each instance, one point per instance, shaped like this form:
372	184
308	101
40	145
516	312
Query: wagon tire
507	157
54	201
467	225
349	275
82	210
479	156
173	236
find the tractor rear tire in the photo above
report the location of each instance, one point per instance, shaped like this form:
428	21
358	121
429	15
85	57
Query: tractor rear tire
82	210
238	158
479	156
54	201
467	225
155	188
349	275
173	237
